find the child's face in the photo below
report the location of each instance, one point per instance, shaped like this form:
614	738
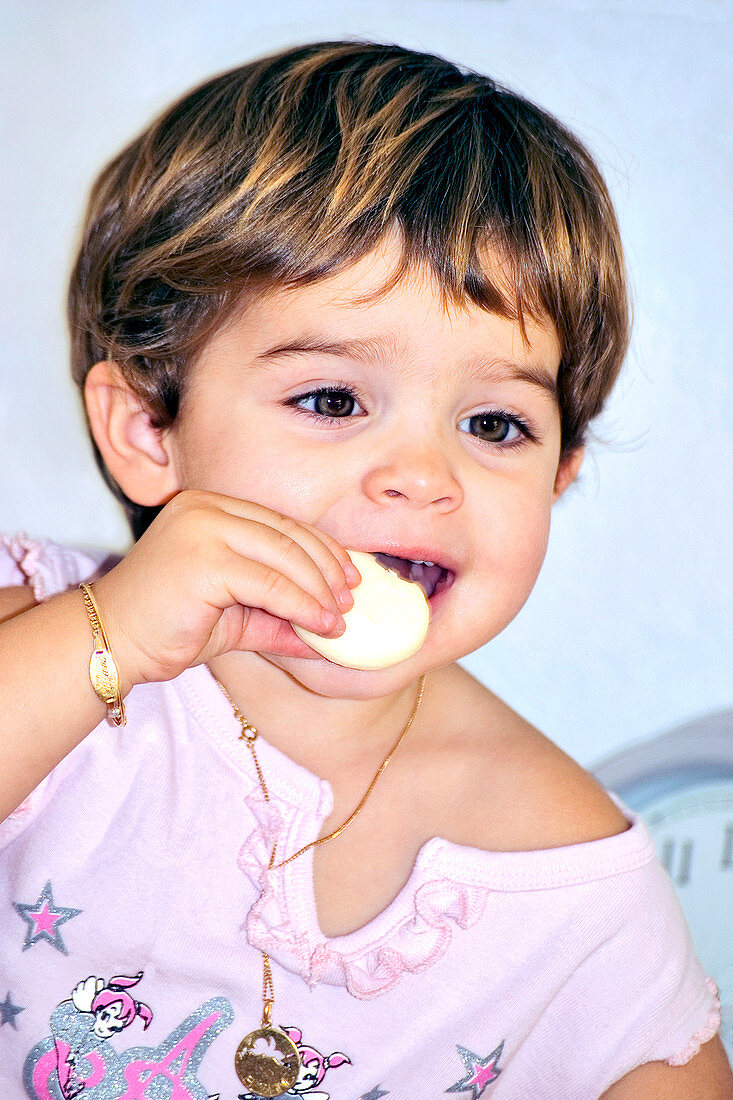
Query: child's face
410	467
107	1020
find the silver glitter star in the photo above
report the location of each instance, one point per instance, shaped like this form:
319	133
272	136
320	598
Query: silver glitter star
480	1072
374	1094
44	919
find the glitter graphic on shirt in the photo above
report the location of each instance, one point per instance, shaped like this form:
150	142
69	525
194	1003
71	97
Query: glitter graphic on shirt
480	1072
373	1094
44	919
79	1060
8	1012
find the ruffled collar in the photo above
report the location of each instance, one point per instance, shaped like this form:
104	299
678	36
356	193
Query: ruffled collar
406	937
445	893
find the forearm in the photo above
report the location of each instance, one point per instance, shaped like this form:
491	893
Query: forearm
47	703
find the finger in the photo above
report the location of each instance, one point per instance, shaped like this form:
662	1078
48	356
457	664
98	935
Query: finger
253	630
266	634
352	574
295	552
332	559
254	584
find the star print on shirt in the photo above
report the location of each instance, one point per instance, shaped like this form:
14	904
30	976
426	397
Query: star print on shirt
480	1072
373	1094
8	1012
44	919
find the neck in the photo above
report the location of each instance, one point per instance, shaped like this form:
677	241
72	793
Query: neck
322	734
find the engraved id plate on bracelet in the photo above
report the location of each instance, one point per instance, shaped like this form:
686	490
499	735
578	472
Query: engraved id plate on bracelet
267	1062
103	674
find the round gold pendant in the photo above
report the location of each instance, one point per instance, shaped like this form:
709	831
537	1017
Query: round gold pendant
270	1069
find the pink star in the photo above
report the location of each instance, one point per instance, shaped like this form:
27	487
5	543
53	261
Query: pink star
484	1075
45	920
480	1072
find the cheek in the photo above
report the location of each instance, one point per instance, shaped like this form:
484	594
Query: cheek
282	485
531	542
517	527
280	473
513	550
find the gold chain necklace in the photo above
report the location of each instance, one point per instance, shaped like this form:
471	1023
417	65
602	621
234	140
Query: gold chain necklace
274	1070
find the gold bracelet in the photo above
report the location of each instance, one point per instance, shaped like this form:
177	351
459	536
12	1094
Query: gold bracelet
103	671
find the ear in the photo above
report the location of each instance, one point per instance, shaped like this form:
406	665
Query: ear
567	471
137	454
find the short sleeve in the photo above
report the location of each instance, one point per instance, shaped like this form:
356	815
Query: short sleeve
653	998
47	567
682	1002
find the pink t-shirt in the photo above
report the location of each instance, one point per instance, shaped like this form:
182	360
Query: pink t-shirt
132	924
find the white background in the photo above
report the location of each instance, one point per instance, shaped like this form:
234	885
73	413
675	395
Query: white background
628	631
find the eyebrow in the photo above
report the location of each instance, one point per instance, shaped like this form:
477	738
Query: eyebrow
506	370
366	349
379	347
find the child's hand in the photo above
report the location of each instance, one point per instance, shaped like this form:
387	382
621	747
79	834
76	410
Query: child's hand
84	993
214	574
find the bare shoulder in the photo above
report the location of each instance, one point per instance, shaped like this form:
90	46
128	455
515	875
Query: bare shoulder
14	600
512	788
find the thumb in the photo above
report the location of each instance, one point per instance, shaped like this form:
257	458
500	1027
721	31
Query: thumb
273	635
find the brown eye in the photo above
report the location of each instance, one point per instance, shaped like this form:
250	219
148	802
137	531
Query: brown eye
490	428
329	403
334	403
498	429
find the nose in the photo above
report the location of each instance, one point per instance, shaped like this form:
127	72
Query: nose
414	477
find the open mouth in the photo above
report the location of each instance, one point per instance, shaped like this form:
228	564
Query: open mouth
431	577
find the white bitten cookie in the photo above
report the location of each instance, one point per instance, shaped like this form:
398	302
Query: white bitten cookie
388	622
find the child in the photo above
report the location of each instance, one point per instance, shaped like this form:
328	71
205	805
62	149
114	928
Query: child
344	298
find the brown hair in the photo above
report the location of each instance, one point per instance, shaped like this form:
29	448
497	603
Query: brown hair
283	170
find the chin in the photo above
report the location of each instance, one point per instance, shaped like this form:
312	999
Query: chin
332	681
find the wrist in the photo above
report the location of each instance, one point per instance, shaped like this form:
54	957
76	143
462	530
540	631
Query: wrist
127	657
103	671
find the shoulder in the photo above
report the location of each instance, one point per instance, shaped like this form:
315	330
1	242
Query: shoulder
46	568
512	788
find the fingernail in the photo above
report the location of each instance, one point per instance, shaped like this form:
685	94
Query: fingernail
345	599
332	622
353	576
